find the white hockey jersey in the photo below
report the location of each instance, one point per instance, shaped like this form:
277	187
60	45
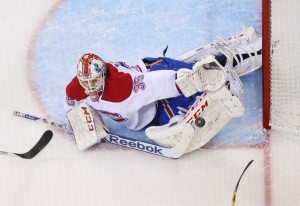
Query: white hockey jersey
129	95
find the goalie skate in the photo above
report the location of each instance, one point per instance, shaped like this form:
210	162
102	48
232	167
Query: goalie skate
243	51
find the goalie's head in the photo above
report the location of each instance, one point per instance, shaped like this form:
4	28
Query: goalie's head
91	73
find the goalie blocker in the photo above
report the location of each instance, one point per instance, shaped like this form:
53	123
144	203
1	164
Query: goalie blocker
88	127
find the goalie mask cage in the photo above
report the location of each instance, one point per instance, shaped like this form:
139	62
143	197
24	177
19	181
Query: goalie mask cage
281	64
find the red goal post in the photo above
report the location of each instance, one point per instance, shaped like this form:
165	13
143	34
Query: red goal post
281	64
266	61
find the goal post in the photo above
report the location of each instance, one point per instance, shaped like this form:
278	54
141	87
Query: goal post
281	64
266	61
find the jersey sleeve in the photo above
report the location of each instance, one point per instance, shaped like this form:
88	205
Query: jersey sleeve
152	86
137	89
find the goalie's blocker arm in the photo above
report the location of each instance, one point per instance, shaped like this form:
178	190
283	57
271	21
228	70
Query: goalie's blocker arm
88	127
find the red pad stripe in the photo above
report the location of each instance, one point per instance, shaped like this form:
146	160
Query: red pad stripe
168	109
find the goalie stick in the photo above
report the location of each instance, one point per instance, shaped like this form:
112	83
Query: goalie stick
44	140
174	152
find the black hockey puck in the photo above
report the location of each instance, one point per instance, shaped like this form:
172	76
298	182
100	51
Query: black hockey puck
199	122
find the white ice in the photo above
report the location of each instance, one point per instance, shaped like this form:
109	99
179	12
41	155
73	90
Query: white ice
109	175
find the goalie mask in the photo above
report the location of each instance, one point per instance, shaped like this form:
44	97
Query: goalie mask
91	73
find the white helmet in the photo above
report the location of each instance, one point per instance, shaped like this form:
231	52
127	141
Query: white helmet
91	73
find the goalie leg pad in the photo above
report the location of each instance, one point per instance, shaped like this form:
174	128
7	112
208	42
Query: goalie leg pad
217	109
171	134
232	104
87	125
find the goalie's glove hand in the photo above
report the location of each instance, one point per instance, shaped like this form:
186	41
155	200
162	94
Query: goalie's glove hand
211	73
207	75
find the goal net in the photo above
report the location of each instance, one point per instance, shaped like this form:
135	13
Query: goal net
281	64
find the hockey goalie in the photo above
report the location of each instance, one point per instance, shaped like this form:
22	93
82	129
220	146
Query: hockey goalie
192	97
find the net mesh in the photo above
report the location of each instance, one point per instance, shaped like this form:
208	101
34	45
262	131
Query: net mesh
285	72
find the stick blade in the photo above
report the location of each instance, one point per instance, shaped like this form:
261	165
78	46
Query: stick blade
237	184
44	140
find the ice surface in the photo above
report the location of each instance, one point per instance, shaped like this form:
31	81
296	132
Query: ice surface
40	45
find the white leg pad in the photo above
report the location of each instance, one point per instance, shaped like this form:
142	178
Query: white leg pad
247	42
217	109
170	135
